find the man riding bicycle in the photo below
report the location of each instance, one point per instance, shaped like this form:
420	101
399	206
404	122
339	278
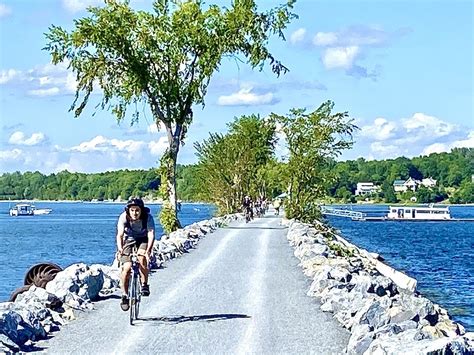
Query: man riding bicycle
247	205
135	227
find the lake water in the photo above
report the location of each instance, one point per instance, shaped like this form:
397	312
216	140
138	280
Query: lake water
439	255
72	233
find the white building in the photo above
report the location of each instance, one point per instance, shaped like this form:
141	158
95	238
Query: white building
428	182
403	186
365	188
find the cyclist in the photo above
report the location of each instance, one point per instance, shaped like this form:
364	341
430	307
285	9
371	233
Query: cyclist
135	227
247	205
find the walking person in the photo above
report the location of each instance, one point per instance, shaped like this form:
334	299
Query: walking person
276	206
135	227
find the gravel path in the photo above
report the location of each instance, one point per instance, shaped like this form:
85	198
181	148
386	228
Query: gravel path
239	291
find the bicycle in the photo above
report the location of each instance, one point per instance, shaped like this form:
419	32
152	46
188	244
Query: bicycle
248	214
134	292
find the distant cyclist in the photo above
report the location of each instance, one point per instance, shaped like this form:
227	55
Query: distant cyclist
247	205
135	227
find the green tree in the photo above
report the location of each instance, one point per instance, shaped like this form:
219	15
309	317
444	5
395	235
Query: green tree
388	193
312	139
233	165
165	58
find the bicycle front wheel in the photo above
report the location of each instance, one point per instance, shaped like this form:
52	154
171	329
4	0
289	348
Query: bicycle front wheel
132	291
137	296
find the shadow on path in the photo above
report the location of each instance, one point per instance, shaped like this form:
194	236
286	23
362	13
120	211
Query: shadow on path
200	318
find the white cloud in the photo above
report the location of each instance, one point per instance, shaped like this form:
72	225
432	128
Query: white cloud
19	138
386	150
245	97
465	143
103	144
152	128
8	75
98	154
325	39
344	49
446	147
79	5
298	36
357	35
340	57
10	155
157	148
428	124
4	10
46	80
381	129
435	148
419	134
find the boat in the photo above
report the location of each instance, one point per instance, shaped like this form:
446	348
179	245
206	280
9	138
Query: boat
26	209
412	213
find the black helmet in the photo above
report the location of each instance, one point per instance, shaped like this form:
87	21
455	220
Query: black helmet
135	202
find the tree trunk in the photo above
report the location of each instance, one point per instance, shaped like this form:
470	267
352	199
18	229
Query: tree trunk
173	149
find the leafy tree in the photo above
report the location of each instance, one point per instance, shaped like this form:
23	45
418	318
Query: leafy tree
312	139
465	194
388	193
423	195
164	59
233	165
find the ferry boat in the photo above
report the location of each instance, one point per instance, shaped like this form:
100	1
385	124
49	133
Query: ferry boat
26	209
412	213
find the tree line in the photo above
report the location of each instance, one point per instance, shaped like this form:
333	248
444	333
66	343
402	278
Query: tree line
243	161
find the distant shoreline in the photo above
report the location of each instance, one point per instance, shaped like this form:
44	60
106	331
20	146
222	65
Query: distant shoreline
147	202
160	202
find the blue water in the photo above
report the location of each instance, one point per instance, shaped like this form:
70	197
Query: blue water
440	255
73	232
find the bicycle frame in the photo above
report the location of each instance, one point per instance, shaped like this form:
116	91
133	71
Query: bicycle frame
134	293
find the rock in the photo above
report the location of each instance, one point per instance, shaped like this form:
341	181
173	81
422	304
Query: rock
360	340
7	345
443	345
77	285
449	328
363	294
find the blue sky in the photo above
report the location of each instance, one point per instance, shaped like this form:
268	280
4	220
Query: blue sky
402	69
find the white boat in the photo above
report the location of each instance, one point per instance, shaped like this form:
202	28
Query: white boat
26	209
411	213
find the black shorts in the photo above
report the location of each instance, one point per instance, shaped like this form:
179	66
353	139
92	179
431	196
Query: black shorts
141	245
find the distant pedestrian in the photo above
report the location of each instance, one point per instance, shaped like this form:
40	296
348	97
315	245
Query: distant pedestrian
276	206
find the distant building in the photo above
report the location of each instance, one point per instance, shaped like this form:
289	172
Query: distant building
411	184
428	182
366	188
399	186
405	185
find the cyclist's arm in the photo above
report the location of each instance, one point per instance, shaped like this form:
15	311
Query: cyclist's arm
150	234
151	241
119	238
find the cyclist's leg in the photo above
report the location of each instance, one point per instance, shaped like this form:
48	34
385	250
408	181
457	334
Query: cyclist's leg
143	264
125	274
126	262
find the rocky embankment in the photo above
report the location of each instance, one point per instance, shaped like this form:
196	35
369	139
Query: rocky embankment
38	312
379	305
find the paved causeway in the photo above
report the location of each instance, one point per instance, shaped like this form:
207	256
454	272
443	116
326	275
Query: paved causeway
239	291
